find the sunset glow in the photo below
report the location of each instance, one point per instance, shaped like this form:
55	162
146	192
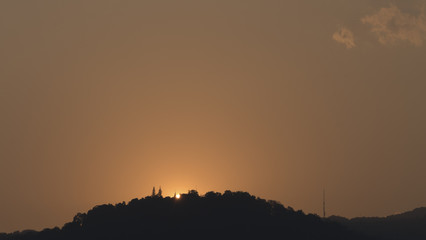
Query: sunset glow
101	100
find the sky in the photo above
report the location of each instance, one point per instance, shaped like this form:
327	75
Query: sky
101	100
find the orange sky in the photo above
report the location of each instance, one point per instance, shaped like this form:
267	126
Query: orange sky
102	100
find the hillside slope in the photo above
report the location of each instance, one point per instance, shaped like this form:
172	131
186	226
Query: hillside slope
405	226
232	215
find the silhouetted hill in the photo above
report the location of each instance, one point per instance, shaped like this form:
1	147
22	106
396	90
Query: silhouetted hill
405	226
232	215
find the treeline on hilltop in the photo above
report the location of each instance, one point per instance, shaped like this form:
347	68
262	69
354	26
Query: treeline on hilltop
231	215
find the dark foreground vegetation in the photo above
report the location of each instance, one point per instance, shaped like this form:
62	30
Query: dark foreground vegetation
406	226
231	215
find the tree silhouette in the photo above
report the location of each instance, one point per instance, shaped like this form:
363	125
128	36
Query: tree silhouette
153	192
160	193
232	215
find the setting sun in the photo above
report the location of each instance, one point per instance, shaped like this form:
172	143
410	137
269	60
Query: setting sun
177	196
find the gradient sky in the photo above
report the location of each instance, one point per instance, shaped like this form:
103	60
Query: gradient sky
102	100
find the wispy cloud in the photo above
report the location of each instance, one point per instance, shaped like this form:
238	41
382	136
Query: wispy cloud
393	26
344	36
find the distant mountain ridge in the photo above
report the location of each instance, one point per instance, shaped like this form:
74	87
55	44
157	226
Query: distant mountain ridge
409	225
231	215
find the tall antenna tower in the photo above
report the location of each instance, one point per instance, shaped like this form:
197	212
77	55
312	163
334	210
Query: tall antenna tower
323	203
